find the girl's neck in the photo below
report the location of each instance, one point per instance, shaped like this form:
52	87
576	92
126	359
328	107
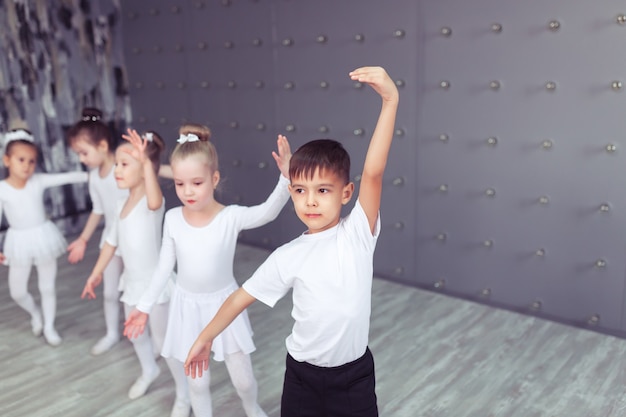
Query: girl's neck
15	182
107	165
203	217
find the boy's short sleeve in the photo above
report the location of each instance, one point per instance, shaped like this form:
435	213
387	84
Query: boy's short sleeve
268	284
357	225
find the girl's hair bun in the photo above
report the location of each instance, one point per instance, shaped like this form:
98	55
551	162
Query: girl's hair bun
91	114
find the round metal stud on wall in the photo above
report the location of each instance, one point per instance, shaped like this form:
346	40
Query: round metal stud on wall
232	84
290	128
398	181
398	225
154	12
160	85
445	85
321	39
600	263
157	49
399	83
443	138
492	141
179	48
486	293
399	270
203	46
543	200
399	34
496	28
547	144
357	85
443	188
163	120
490	192
236	163
229	45
205	84
604	207
535	305
175	9
259	84
495	85
359	37
260	127
324	85
488	243
554	25
621	19
440	284
616	85
441	237
540	252
289	85
593	320
358	132
262	165
323	129
399	132
611	148
287	42
257	42
233	125
446	31
551	86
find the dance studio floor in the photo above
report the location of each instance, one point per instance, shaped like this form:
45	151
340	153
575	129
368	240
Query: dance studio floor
435	356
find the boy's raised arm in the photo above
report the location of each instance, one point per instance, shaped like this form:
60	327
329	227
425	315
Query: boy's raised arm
376	159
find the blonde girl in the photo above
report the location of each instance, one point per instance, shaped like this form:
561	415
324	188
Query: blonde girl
200	238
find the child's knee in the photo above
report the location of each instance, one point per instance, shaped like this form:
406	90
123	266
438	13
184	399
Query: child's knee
199	386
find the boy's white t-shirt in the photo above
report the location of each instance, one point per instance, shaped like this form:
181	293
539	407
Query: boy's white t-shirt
331	276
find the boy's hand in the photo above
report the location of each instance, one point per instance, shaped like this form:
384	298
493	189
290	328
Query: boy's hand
92	282
198	359
2	258
283	156
135	324
378	79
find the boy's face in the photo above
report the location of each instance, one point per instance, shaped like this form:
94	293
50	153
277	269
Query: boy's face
318	200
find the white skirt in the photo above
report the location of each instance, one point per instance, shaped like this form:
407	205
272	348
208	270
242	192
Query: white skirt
189	315
25	247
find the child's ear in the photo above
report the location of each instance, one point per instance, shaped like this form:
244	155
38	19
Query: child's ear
216	179
347	191
5	160
103	145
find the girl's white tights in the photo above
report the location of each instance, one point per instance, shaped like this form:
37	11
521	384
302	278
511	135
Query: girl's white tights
18	288
111	296
143	349
239	368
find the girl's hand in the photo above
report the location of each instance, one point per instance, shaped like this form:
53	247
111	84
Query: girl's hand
92	282
139	145
378	79
76	250
283	156
135	324
198	359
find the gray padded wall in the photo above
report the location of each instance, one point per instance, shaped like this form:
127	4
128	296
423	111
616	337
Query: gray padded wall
504	178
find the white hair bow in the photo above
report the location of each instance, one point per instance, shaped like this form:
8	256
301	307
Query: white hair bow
148	136
19	134
188	138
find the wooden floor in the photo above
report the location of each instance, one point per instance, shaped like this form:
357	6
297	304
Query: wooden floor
435	357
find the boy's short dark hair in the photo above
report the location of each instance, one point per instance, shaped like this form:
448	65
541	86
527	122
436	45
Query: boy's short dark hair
323	154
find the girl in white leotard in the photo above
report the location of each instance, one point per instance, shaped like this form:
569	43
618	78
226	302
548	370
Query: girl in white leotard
136	235
31	239
200	238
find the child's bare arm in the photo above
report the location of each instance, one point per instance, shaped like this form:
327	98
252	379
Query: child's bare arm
77	248
376	159
198	358
154	195
95	278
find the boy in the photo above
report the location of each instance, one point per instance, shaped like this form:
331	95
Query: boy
330	370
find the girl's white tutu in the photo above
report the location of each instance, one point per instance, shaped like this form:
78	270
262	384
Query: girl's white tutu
25	247
191	312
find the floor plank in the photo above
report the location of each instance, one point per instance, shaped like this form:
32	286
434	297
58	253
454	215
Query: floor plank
435	356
